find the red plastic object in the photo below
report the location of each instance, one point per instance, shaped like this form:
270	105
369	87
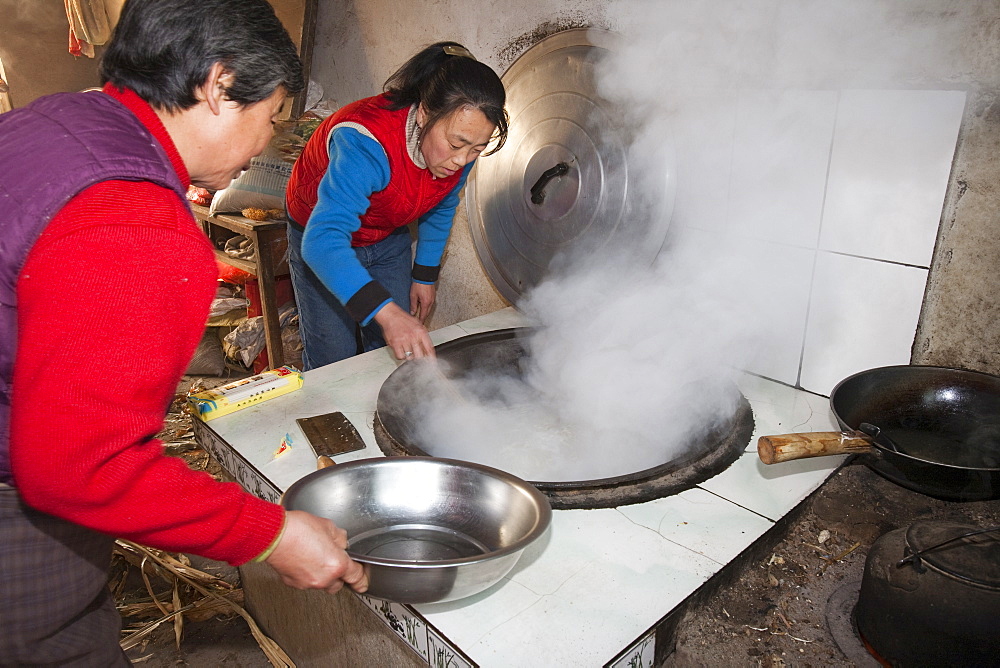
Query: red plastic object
231	274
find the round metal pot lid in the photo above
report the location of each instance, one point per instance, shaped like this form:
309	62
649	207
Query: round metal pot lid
563	179
964	552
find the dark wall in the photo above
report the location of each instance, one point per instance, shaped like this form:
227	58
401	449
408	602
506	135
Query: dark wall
34	46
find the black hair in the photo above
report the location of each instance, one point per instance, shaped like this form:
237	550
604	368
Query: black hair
444	83
164	49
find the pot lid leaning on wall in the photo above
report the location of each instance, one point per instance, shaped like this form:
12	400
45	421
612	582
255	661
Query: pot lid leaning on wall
565	180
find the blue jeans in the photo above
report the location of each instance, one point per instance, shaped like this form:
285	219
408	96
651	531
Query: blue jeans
328	333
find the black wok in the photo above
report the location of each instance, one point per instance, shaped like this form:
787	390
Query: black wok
934	430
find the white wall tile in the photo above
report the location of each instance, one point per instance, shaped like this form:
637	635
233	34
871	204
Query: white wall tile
781	152
762	289
855	172
703	124
779	277
862	314
892	155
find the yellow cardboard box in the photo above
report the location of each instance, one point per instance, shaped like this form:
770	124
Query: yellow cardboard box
239	394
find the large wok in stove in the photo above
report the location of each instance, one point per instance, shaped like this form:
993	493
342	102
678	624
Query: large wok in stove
503	352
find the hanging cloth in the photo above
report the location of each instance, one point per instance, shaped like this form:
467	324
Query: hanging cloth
88	25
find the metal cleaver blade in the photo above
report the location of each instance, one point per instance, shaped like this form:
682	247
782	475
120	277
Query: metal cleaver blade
331	434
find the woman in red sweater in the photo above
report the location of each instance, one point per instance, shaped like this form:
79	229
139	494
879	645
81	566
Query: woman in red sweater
113	283
367	172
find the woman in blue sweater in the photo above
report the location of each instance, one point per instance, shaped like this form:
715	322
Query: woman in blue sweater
367	172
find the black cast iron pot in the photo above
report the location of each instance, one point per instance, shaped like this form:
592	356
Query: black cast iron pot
930	596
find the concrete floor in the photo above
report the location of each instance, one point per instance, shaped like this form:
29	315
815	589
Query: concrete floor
785	604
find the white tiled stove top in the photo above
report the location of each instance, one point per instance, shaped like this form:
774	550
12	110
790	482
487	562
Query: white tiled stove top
593	590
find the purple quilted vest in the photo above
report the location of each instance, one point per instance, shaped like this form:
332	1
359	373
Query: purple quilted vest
51	150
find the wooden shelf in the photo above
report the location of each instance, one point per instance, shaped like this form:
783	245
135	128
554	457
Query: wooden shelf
269	241
248	266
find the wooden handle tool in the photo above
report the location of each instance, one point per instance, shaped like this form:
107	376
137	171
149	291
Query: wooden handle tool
785	447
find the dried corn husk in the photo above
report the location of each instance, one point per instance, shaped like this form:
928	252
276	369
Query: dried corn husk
217	596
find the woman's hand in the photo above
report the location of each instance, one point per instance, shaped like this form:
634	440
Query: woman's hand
406	335
422	298
311	554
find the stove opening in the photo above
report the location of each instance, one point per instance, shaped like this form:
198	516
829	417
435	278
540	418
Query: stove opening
476	404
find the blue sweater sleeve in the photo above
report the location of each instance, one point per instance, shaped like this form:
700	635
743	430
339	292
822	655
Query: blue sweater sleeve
358	168
433	229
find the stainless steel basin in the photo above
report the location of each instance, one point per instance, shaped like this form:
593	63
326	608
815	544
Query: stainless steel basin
426	529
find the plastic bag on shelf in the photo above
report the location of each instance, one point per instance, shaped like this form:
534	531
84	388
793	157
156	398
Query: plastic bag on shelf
262	185
247	341
209	358
224	305
240	247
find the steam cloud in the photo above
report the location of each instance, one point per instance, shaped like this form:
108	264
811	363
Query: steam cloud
634	360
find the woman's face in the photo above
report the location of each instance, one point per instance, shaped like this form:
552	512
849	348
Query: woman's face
455	140
244	133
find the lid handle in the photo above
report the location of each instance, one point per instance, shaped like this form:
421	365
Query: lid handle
538	190
917	554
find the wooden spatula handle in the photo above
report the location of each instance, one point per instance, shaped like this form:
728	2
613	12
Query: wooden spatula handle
785	447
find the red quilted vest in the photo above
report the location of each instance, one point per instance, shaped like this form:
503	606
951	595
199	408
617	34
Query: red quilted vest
412	191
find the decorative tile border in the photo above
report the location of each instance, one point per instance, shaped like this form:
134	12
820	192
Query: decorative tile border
411	628
639	655
422	638
233	462
443	655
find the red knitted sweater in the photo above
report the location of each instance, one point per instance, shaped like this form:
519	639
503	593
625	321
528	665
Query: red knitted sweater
112	302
